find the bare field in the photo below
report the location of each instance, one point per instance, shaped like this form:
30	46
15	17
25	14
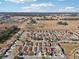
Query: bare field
69	49
72	25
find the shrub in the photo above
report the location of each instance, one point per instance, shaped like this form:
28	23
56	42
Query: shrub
62	23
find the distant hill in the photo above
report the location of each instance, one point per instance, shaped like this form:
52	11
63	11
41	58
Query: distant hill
38	13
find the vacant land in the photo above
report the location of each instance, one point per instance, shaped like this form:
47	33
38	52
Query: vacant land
72	25
69	49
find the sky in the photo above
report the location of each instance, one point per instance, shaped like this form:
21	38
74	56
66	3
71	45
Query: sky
39	5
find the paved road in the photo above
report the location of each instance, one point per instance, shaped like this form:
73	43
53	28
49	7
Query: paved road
35	57
8	57
58	57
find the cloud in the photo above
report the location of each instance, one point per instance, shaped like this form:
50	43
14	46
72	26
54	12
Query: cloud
33	10
42	5
37	7
32	6
69	9
21	1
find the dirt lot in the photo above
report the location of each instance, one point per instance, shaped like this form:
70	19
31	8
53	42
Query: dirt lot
69	49
72	25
